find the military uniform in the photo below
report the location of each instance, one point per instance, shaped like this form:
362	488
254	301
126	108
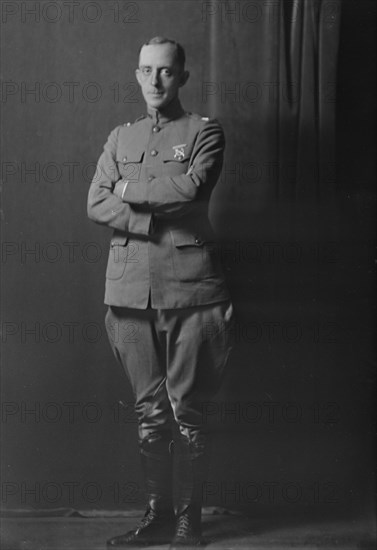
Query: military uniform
169	313
152	186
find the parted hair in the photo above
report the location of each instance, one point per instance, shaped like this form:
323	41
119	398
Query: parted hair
180	52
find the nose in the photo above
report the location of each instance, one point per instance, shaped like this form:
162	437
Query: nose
155	78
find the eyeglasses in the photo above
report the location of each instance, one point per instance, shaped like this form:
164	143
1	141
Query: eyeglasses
164	72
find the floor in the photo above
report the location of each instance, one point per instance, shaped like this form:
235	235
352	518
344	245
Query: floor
225	532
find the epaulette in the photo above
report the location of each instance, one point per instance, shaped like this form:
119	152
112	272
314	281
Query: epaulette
137	120
198	117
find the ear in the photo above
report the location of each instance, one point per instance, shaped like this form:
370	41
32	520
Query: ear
184	78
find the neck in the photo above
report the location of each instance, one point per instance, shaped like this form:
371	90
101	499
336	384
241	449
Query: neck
165	114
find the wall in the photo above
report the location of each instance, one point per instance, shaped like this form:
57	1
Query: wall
292	423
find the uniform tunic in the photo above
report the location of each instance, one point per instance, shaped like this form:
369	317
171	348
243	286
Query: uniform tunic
152	186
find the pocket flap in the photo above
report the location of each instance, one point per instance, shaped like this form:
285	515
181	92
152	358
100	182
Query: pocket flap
177	154
130	156
184	238
119	240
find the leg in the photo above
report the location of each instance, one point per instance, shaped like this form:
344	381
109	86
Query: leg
140	349
199	342
193	462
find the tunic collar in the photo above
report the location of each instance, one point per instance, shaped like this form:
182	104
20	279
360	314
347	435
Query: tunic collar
170	112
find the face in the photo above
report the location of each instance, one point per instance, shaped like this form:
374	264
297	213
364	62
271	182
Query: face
159	74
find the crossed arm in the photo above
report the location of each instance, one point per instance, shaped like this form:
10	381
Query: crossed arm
129	207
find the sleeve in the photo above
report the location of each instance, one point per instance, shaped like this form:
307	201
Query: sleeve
104	207
170	195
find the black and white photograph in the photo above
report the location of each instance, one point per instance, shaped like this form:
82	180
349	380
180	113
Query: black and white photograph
188	274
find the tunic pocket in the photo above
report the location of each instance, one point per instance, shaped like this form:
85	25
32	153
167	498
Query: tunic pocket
129	164
194	257
175	161
176	154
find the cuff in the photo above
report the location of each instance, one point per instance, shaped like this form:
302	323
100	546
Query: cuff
139	222
135	192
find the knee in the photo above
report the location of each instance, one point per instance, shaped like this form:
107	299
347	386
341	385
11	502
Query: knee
158	441
194	439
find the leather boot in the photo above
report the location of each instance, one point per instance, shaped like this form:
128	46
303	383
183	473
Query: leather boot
157	525
192	473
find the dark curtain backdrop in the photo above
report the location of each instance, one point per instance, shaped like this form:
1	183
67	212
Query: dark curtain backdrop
292	211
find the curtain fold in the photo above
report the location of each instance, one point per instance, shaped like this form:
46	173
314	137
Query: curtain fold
274	72
309	39
274	78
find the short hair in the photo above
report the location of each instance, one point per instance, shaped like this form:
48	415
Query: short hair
179	50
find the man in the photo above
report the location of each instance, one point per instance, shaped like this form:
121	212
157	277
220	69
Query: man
164	284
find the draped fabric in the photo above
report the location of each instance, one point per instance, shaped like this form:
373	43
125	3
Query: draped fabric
275	83
308	38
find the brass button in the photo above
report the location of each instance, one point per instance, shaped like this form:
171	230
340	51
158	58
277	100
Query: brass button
153	152
155	129
198	240
124	159
150	178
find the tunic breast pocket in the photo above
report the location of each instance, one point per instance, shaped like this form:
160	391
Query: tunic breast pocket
122	252
175	160
129	164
